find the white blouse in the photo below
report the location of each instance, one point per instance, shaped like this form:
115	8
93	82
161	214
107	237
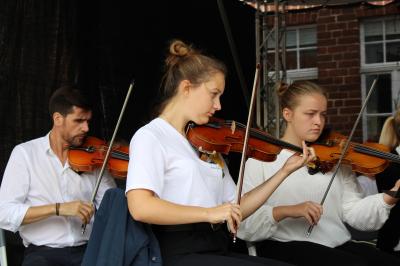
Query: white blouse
344	203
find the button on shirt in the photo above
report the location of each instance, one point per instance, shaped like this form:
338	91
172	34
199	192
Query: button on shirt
35	176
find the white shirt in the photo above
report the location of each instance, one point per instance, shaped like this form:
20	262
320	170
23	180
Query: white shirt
344	203
34	176
368	185
163	161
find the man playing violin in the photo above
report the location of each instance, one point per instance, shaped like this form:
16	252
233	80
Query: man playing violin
42	197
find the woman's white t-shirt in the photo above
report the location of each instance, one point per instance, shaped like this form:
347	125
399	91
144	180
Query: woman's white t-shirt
163	161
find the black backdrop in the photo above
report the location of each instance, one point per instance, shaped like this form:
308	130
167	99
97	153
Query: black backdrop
101	45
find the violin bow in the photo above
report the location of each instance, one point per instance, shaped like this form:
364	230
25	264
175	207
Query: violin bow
344	151
103	167
246	140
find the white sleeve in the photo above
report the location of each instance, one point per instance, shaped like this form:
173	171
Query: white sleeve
106	183
229	193
365	214
261	224
13	191
368	185
146	163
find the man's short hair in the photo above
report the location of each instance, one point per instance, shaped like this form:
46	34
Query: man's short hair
64	98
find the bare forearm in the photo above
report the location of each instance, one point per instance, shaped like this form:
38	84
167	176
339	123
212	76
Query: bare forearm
253	199
391	200
158	211
281	212
38	213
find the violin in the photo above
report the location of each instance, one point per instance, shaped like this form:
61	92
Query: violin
367	158
227	136
90	155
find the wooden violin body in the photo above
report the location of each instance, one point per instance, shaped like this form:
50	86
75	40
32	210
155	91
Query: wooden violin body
90	155
368	158
228	136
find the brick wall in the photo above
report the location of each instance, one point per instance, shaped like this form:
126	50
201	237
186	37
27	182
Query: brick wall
338	56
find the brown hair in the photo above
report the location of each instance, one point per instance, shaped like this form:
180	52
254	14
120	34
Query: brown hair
183	62
390	133
289	94
64	98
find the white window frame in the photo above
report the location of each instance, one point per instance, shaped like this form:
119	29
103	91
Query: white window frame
392	68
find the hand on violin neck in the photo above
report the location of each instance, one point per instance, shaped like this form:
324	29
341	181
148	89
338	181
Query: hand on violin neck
297	161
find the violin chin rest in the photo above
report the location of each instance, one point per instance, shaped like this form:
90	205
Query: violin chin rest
392	193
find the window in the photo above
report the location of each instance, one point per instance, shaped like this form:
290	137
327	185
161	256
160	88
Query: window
382	41
383	101
380	56
301	48
301	52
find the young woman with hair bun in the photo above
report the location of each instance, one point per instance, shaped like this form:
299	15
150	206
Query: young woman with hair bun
279	227
389	235
187	200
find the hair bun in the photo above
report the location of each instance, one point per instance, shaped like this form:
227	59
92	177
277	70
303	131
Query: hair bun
281	88
179	48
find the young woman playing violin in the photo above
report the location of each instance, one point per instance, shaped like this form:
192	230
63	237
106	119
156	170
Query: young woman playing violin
279	227
186	199
389	235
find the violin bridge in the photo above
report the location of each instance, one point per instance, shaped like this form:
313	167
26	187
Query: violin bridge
233	127
201	150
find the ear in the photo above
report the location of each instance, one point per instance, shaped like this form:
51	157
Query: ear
58	119
184	86
287	114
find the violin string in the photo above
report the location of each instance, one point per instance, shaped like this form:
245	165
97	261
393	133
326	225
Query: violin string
266	137
359	147
374	152
120	155
371	151
115	153
385	155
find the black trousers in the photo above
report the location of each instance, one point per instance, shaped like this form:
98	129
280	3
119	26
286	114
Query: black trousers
203	246
310	254
47	256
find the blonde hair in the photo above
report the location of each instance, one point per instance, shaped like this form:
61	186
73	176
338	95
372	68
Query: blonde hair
390	133
289	94
183	62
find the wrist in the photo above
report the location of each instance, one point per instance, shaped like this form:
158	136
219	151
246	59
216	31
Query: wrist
284	172
205	215
57	209
279	213
388	199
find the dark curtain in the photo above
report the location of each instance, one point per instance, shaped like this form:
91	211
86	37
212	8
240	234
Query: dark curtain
37	54
47	44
